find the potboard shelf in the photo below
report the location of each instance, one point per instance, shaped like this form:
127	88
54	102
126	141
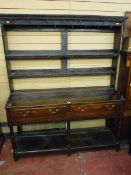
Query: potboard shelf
92	138
80	139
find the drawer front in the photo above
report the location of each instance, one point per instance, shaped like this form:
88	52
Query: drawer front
37	115
101	110
129	92
127	111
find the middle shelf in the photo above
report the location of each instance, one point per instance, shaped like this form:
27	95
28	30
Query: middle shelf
59	72
31	54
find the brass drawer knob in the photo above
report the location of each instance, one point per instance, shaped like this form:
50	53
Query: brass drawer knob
110	107
53	111
68	102
83	110
24	113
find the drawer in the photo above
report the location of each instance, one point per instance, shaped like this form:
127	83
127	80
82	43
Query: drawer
127	111
96	110
127	44
129	92
37	115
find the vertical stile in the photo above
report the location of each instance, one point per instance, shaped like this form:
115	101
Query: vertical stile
64	69
116	46
64	50
68	138
8	65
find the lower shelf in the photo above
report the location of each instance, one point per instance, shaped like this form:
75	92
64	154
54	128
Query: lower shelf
80	139
41	142
92	138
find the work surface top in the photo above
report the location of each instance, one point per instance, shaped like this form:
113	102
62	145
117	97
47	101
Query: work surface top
32	98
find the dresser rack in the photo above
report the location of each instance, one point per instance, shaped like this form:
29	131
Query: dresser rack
27	107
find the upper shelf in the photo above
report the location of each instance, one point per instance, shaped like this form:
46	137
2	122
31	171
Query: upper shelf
19	54
61	21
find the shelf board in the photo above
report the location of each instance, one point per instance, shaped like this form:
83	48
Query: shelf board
93	53
76	90
13	54
44	29
59	72
31	143
80	139
53	97
70	21
19	54
92	138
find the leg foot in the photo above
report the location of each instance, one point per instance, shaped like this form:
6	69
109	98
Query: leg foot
118	147
69	150
16	157
129	149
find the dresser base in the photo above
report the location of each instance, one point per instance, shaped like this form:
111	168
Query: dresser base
65	105
58	141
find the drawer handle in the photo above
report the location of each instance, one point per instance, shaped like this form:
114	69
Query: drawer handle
53	111
128	62
110	107
83	110
24	113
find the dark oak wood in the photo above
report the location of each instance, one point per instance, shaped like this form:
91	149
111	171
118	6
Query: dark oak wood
8	64
116	46
63	107
55	54
126	45
54	141
59	21
2	139
64	104
41	98
127	25
38	115
89	111
130	139
125	78
125	128
91	137
124	88
61	72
